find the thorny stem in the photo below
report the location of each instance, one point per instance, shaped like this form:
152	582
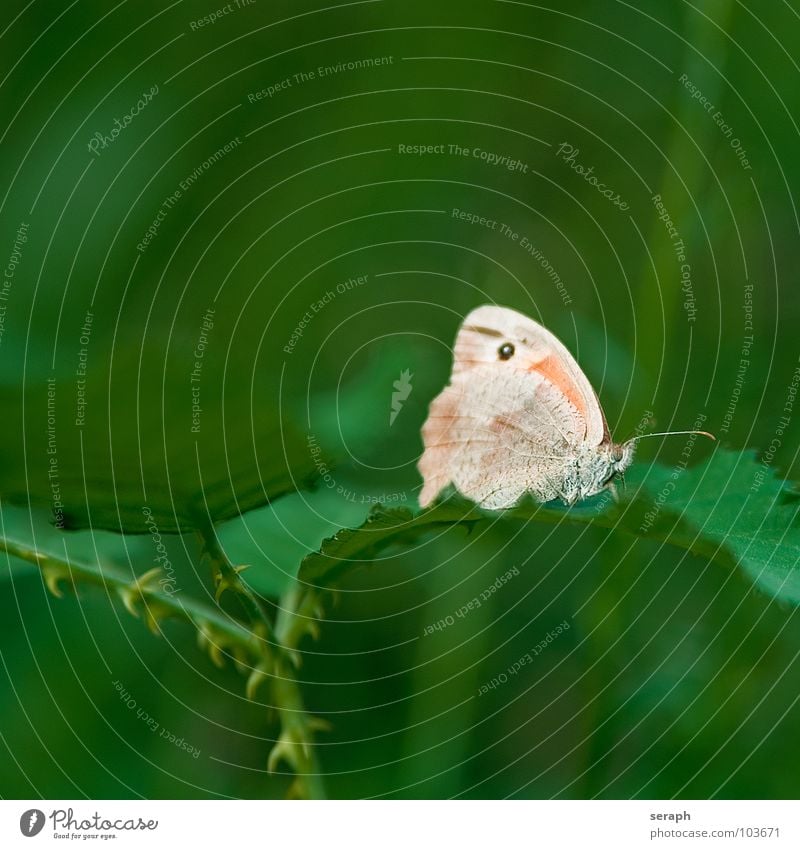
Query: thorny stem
253	648
227	577
194	612
297	736
296	742
300	611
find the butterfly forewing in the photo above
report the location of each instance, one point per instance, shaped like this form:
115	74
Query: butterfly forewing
508	423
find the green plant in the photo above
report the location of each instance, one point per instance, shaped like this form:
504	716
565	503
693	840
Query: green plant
729	509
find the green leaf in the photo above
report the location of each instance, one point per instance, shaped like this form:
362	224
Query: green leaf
118	470
729	508
273	540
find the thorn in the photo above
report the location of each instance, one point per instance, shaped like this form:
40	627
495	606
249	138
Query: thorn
231	581
152	624
222	585
128	597
294	656
260	673
282	751
210	642
51	578
317	723
152	575
215	653
240	658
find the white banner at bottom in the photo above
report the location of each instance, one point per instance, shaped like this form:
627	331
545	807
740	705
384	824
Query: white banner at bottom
400	824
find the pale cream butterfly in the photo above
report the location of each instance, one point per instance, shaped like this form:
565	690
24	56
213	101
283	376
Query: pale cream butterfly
518	416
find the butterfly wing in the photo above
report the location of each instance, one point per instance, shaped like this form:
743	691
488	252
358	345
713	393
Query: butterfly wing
503	427
537	351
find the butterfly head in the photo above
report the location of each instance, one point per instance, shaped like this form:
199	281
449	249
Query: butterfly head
614	459
621	455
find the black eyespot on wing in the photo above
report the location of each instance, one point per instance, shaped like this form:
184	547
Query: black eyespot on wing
505	351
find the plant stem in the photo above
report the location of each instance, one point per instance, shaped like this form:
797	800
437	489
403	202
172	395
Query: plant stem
227	577
220	632
190	610
299	726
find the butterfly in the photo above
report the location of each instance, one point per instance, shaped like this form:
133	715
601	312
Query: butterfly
519	416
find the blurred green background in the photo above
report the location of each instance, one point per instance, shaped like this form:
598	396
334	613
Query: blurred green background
676	678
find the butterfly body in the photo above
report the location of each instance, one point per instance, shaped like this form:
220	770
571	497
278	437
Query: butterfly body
518	417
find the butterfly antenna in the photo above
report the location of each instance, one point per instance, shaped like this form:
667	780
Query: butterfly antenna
676	433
